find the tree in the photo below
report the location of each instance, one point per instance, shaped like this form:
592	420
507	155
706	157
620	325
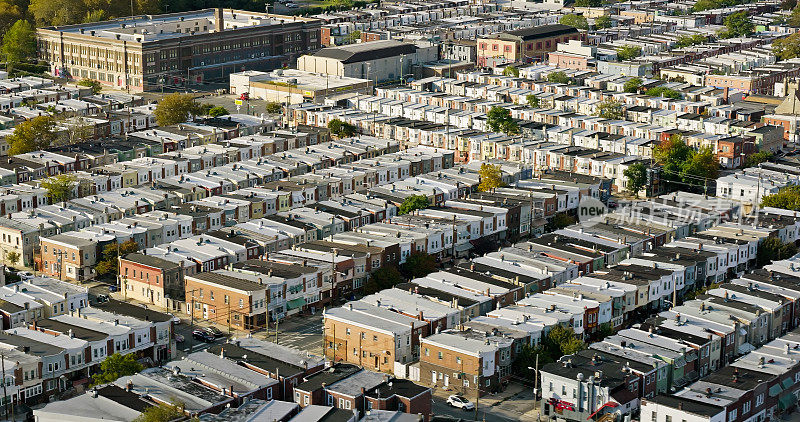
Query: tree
31	135
787	48
588	3
794	18
757	158
683	166
418	264
175	108
384	277
60	188
690	40
97	15
511	71
491	178
527	358
610	109
773	249
602	22
218	111
413	203
116	366
19	44
660	91
632	85
788	4
10	12
737	25
275	108
341	129
628	52
13	257
532	100
702	5
109	264
562	341
787	198
559	78
576	21
80	130
562	220
352	37
91	83
163	413
636	175
499	120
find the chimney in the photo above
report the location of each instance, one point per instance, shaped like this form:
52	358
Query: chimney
219	20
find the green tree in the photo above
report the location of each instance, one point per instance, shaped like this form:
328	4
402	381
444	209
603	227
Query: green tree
335	126
218	111
19	44
602	22
604	330
175	108
787	48
10	12
632	85
702	5
610	109
562	341
384	277
636	175
491	178
499	120
418	264
788	4
60	188
32	135
794	18
116	366
559	78
588	3
341	129
353	37
575	21
532	100
682	166
91	83
13	257
690	40
109	265
276	108
787	198
413	203
660	91
738	24
526	358
163	412
757	158
511	71
561	220
772	249
628	52
97	15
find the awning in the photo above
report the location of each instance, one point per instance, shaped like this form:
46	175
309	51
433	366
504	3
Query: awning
745	348
742	331
295	303
775	390
787	401
464	247
788	382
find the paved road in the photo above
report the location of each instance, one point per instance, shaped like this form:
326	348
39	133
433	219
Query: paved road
298	332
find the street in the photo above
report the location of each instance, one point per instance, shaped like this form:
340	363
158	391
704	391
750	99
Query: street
513	404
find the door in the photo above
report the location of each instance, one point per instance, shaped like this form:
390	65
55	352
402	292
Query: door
446	380
205	311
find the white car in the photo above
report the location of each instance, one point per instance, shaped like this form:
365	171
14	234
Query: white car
25	275
460	402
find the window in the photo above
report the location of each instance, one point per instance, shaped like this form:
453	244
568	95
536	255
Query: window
668	418
653	417
441	356
731	415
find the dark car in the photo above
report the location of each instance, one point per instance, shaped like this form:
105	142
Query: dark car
203	335
214	331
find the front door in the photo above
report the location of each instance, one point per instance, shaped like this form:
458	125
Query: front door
205	311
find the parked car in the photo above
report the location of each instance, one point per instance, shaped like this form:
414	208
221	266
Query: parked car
203	335
179	338
460	402
175	320
214	331
102	298
112	288
25	275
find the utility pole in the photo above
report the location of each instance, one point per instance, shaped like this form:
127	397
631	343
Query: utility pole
5	394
